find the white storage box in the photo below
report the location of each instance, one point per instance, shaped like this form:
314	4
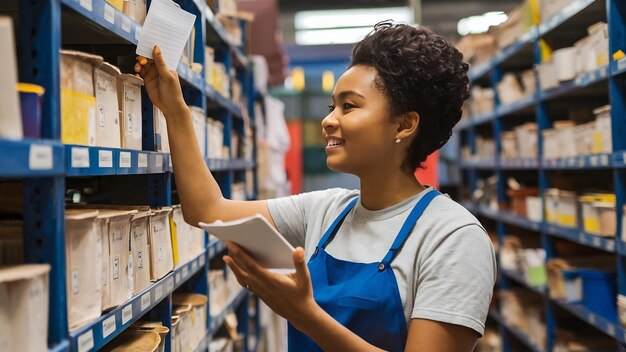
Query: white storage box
199	120
107	107
140	249
10	111
161	139
533	208
567	142
526	135
550	144
24	307
584	134
602	135
564	61
83	281
161	258
548	78
187	240
129	94
599	42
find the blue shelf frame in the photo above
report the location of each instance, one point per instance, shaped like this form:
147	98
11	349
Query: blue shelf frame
45	164
611	75
517	277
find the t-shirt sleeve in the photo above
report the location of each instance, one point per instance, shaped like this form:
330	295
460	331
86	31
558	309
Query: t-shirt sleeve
291	213
456	278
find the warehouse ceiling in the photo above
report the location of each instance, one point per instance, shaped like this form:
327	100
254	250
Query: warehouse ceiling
439	15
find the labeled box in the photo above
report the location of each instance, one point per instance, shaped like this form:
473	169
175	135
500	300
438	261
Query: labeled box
161	140
160	241
129	95
136	10
10	112
107	107
199	120
83	282
139	247
187	240
78	101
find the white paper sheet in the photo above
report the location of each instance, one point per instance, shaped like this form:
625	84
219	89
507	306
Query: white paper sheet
168	26
258	238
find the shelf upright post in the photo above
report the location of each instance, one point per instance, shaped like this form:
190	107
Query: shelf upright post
44	241
616	16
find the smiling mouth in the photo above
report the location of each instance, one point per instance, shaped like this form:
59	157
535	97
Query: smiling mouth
334	143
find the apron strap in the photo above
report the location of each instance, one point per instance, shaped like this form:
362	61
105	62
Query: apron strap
408	226
332	230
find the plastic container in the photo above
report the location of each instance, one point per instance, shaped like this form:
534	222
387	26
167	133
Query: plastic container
31	99
573	286
599	292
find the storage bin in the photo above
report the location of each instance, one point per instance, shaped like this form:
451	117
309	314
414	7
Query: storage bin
198	313
608	218
550	144
533	208
599	292
565	63
573	286
567	209
602	141
134	340
599	42
10	121
24	307
129	97
156	327
518	199
31	98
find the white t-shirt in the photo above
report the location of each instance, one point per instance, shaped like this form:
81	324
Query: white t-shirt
445	271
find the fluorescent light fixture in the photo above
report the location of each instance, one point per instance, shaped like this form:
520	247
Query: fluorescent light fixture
351	18
480	24
331	36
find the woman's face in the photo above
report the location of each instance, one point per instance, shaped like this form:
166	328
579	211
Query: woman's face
359	129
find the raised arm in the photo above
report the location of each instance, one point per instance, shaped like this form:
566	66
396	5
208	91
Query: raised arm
200	195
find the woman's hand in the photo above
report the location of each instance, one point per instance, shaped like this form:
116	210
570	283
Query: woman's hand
162	85
289	295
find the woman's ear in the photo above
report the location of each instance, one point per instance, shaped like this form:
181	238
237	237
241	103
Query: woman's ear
408	125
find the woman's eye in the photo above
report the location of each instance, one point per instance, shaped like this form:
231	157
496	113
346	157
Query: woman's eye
331	108
347	106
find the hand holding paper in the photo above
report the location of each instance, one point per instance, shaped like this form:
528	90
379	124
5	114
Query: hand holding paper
168	26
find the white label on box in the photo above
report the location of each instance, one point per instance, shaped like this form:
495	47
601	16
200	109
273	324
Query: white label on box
158	293
131	265
145	301
159	161
185	271
126	24
86	4
108	326
127	314
125	159
604	160
80	157
131	122
75	282
116	267
105	158
170	285
177	278
143	160
160	254
101	115
85	341
40	157
109	13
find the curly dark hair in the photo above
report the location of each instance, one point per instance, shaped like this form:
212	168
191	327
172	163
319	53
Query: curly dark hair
419	71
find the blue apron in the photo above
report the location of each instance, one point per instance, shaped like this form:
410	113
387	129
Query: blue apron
363	297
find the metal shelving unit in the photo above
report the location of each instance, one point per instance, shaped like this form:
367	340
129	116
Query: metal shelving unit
45	165
606	84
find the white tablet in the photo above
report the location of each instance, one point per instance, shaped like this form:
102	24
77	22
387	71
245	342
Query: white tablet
258	238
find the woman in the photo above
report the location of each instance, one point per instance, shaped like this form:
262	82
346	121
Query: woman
394	265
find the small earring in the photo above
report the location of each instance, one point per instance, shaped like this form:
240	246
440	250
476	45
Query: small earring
398	140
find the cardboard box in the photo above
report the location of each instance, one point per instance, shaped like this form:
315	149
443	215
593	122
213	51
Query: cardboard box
78	101
599	41
118	4
160	241
83	282
136	10
198	303
24	307
107	107
10	112
119	262
129	95
199	126
161	139
139	233
187	241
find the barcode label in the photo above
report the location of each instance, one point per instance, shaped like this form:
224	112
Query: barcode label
143	160
109	13
127	314
145	301
85	341
86	4
108	326
125	160
105	158
126	24
80	157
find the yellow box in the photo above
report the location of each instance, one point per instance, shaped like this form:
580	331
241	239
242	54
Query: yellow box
118	4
